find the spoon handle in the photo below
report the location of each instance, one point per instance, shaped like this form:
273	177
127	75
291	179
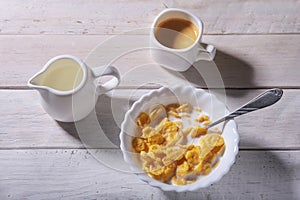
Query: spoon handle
263	100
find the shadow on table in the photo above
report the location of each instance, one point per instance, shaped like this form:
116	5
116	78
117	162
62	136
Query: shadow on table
235	71
70	128
256	174
99	131
101	128
226	70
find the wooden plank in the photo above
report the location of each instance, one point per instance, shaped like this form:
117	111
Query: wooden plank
243	61
24	124
75	174
103	17
25	55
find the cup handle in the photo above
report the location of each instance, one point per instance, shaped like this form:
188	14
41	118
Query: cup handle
206	52
106	71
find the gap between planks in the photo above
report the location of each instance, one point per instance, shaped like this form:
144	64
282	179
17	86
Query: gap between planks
157	87
125	33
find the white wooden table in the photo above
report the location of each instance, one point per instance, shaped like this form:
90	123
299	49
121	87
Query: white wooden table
258	46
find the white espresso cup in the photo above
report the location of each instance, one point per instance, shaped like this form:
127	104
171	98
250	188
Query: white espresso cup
179	59
69	88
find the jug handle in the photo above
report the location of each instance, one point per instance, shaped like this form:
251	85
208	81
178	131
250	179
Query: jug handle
106	71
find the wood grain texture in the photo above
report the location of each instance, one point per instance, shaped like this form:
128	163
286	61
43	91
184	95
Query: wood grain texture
75	174
110	17
24	124
257	43
243	61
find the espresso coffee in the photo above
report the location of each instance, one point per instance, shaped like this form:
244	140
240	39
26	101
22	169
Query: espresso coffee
176	33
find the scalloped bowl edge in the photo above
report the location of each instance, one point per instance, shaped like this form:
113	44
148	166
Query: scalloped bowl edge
198	184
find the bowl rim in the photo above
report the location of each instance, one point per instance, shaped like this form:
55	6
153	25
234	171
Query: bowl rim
167	187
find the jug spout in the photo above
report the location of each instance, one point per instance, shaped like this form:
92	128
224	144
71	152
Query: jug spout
35	82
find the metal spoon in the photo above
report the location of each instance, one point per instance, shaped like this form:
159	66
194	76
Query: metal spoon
263	100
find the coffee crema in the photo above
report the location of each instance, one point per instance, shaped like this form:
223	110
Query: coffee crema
176	33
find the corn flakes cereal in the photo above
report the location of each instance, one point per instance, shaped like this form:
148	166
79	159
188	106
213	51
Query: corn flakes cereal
172	155
198	131
143	120
203	168
151	162
183	169
161	125
148	132
206	123
172	106
156	139
179	181
192	156
139	144
178	124
202	118
164	152
181	115
187	131
185	108
183	175
214	142
170	126
174	113
156	112
166	174
173	138
198	109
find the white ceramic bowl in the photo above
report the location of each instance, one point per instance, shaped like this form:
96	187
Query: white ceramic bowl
182	94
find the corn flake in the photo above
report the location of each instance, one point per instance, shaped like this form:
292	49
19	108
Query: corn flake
185	108
202	118
143	120
198	131
172	106
139	144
